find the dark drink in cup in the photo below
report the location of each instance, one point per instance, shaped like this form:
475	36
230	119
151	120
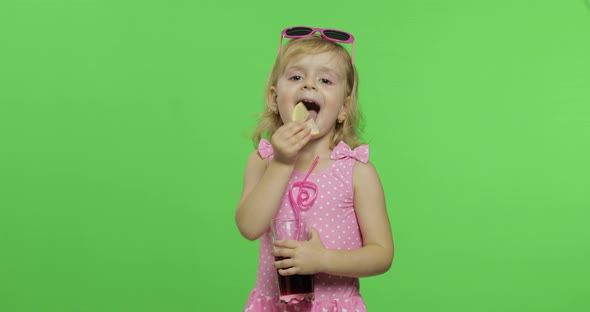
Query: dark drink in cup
293	288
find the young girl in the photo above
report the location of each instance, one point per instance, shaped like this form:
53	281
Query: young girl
344	201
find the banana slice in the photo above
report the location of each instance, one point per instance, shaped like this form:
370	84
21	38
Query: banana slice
300	113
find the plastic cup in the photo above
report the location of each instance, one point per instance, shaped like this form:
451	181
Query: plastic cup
293	288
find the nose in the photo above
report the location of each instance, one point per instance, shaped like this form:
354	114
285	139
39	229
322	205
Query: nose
309	84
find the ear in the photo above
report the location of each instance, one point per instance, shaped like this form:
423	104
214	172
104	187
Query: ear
271	100
344	109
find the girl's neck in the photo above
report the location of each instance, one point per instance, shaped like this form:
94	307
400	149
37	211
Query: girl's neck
316	147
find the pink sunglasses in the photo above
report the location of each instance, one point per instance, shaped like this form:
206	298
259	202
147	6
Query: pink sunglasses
328	34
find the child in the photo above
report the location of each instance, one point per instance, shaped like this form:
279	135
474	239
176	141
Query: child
350	235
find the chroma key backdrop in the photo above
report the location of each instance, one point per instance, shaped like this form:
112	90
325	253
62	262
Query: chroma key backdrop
124	133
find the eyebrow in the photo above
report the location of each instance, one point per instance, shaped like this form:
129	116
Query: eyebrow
322	69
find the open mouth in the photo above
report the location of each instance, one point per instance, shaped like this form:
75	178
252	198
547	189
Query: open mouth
312	107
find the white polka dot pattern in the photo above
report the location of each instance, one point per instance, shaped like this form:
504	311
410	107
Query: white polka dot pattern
333	216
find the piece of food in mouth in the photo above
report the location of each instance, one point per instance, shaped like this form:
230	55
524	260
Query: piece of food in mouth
300	113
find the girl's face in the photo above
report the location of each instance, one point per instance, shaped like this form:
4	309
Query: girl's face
317	80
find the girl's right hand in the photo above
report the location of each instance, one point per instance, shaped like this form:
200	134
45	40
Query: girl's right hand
288	140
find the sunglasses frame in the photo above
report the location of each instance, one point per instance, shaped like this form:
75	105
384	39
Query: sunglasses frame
322	31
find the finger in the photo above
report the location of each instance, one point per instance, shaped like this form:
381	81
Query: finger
282	252
289	135
286	243
291	128
303	140
283	264
299	139
294	127
313	235
288	272
304	130
288	129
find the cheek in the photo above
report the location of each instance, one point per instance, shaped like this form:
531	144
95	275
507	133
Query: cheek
285	98
285	109
283	102
281	93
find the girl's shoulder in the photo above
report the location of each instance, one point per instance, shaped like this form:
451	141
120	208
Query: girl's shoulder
255	167
365	175
261	155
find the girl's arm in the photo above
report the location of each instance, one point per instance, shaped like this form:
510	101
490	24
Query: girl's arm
373	258
376	255
264	185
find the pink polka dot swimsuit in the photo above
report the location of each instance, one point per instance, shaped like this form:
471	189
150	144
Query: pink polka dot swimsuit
334	218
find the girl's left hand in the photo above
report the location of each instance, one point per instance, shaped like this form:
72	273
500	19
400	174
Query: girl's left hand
303	257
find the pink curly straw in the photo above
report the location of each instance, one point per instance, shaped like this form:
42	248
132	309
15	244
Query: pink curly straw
304	201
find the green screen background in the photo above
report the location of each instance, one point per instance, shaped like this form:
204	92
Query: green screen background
124	131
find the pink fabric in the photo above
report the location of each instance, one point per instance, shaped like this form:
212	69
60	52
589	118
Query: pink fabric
264	149
334	217
342	151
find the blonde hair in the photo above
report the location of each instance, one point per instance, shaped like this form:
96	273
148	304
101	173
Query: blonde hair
348	130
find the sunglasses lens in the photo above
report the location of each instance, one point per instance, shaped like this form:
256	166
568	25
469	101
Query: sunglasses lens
337	35
298	31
